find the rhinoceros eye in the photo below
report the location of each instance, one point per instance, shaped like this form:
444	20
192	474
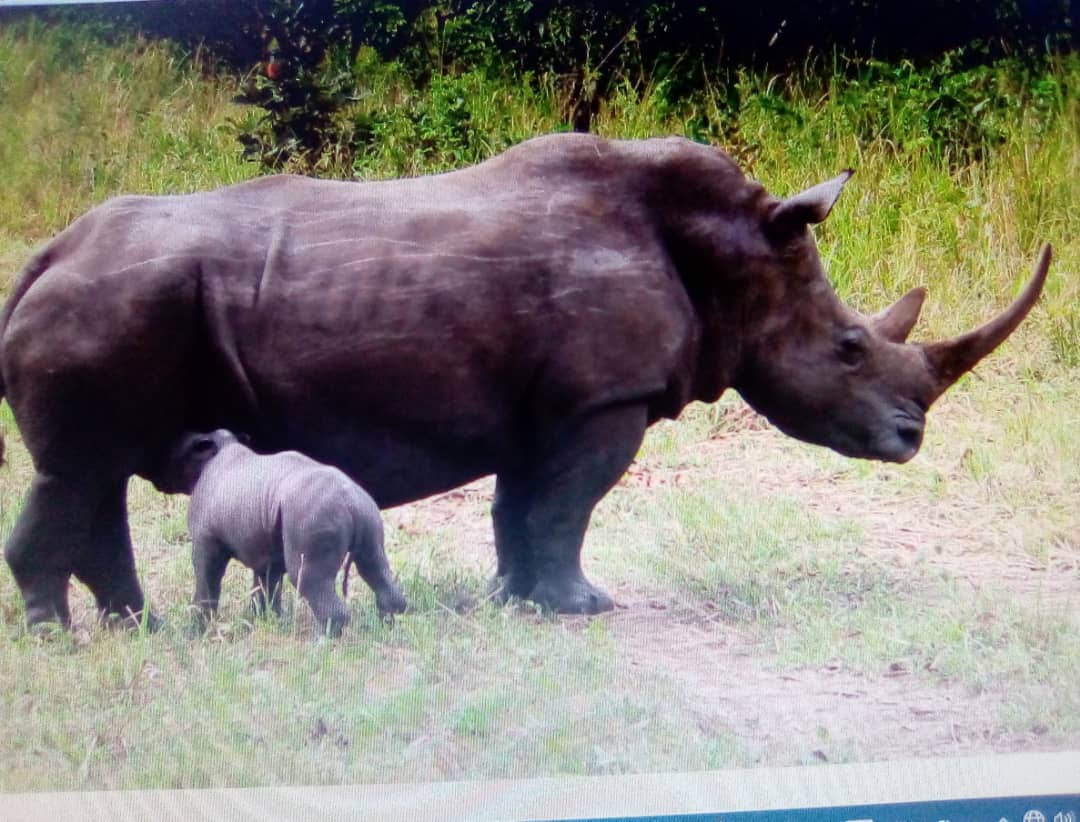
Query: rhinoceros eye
851	346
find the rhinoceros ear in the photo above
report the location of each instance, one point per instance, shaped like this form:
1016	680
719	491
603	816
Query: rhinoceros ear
807	207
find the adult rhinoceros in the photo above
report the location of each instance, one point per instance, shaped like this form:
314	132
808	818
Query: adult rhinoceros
529	317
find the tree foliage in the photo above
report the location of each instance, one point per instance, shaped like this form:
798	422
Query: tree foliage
302	55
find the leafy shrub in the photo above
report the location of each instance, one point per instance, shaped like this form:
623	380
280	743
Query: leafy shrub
298	87
456	120
953	112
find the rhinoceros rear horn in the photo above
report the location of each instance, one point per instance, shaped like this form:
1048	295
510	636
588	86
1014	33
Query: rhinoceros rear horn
807	207
950	360
896	321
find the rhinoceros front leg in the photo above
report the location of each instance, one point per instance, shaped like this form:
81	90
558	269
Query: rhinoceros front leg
514	575
540	520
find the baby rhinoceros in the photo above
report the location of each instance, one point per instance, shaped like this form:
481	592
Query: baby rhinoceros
279	513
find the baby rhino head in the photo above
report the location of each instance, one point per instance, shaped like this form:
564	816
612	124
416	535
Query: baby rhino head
188	459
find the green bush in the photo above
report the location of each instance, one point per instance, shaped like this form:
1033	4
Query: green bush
394	128
955	113
299	87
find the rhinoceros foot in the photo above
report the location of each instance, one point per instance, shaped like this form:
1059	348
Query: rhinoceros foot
571	595
131	621
505	587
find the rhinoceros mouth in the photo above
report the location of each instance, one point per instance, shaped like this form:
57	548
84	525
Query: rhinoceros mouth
898	439
904	440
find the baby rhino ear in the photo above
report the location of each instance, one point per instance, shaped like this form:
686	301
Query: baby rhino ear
185	462
198	447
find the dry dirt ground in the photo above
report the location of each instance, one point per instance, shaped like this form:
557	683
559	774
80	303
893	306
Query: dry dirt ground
732	686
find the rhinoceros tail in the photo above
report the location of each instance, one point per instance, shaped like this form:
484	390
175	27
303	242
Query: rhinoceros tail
348	564
1	431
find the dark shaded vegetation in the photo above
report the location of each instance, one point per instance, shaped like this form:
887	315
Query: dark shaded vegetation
652	35
307	62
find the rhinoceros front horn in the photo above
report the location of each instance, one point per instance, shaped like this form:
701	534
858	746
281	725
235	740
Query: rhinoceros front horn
951	359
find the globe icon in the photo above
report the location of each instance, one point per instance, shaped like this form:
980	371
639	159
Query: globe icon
1034	816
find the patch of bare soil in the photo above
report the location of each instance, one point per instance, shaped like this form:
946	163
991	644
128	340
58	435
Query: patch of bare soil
975	543
461	518
784	716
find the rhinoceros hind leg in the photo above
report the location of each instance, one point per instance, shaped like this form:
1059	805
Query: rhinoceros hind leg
107	565
266	588
50	531
581	464
312	560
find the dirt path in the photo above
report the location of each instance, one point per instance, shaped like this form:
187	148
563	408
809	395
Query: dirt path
806	715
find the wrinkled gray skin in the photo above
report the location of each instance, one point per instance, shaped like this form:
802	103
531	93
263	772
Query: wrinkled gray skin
529	317
277	514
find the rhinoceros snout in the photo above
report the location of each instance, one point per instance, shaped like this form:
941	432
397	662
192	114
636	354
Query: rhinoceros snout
902	441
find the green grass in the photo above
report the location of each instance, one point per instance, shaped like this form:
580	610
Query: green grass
743	557
94	122
805	586
425	699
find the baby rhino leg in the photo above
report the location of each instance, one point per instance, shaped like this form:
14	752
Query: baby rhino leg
314	551
369	555
210	558
266	586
